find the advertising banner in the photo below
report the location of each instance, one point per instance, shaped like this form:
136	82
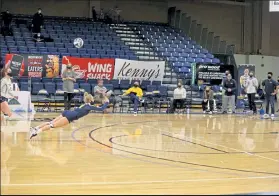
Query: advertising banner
90	68
212	74
139	70
33	65
274	6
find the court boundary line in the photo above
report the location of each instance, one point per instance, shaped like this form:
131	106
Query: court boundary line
201	153
142	182
142	160
237	150
168	160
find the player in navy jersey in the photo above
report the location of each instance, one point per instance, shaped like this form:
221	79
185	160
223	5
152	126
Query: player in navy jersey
68	116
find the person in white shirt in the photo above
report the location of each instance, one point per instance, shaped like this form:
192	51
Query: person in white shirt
6	91
179	98
251	84
243	80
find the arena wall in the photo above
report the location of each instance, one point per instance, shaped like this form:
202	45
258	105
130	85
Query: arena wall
263	64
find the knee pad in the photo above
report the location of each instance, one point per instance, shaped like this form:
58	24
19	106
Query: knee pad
51	125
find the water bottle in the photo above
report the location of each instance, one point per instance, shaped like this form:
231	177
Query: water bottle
261	113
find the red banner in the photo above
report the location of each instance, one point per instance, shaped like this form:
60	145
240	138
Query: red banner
33	65
90	68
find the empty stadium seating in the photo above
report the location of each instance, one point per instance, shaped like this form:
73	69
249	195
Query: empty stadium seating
99	40
103	41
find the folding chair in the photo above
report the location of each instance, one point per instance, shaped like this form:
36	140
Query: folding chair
44	99
58	98
78	97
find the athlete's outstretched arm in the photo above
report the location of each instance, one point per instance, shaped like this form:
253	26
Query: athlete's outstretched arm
103	107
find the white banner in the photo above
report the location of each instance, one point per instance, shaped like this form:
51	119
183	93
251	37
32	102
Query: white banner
139	70
274	6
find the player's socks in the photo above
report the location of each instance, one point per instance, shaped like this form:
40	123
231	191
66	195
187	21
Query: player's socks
33	132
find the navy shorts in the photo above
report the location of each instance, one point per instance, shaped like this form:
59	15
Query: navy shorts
3	99
70	115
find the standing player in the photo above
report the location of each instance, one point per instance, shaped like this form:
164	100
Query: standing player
270	88
6	91
68	116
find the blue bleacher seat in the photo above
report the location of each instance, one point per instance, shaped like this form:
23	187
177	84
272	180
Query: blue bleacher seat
163	91
215	61
76	86
144	84
92	81
157	83
80	80
23	86
207	60
115	84
57	80
59	86
45	80
124	84
151	88
86	87
35	80
50	87
109	86
36	87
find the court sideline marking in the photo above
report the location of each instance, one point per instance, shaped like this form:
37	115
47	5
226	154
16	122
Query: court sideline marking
237	150
164	159
142	182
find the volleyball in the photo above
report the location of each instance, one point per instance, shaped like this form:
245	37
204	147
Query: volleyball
78	42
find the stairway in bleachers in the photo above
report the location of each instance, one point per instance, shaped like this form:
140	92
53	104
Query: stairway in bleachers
135	42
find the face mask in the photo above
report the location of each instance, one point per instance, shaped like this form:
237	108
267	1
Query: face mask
69	67
229	78
269	76
135	85
9	74
251	75
207	90
179	85
227	74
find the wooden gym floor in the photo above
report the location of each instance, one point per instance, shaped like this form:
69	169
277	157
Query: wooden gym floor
147	154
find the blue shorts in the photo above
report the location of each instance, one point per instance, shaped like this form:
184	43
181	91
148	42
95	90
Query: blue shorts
3	99
70	115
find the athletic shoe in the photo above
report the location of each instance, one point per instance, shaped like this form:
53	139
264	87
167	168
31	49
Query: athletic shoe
210	113
135	113
272	116
33	132
204	112
266	116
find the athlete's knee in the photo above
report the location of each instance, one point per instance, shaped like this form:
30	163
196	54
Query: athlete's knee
51	124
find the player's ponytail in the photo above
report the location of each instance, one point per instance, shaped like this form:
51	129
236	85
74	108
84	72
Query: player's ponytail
87	98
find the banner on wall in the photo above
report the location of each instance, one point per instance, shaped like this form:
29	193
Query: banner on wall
193	71
274	6
90	68
243	75
139	70
212	74
33	65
